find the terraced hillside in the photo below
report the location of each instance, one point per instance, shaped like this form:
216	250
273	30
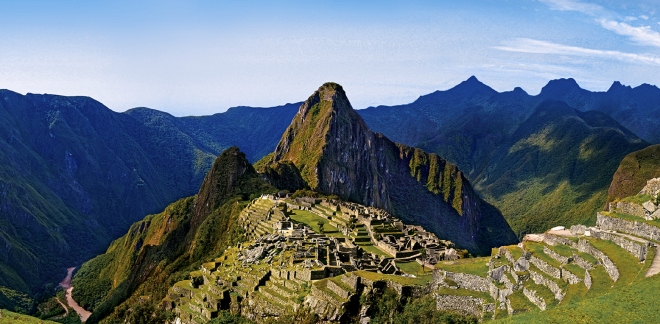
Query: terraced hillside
317	254
560	274
585	274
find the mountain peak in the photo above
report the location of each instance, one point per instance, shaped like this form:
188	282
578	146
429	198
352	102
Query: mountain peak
617	87
325	121
472	86
560	86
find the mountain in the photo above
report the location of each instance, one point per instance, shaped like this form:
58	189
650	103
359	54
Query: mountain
633	172
482	131
554	169
74	175
338	154
157	249
634	108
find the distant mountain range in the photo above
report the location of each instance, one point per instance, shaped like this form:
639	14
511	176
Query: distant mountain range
543	160
74	175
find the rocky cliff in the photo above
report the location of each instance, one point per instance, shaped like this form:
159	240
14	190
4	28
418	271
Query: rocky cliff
338	154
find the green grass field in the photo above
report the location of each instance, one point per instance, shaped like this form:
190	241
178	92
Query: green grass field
15	318
312	220
475	266
373	249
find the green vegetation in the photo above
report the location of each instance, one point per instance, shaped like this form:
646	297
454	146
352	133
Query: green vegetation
164	248
475	266
419	281
627	304
654	222
634	170
638	199
386	307
312	220
373	249
15	318
439	176
629	267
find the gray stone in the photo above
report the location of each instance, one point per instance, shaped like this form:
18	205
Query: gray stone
649	206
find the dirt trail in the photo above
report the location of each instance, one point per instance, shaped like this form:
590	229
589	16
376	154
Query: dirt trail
655	266
66	284
66	310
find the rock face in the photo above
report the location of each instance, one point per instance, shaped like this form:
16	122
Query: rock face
338	154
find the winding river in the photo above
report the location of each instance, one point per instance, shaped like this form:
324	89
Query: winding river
66	284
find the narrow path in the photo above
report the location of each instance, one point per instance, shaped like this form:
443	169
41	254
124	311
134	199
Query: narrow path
66	310
655	266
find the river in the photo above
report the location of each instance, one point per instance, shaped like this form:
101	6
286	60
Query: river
66	284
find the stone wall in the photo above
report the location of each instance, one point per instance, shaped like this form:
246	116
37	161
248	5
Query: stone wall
321	303
610	267
351	280
541	280
636	249
465	281
652	187
570	277
536	300
578	229
335	288
562	259
467	305
582	263
587	279
621	225
551	239
628	208
545	267
498	273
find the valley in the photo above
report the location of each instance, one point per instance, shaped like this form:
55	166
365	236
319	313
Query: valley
337	223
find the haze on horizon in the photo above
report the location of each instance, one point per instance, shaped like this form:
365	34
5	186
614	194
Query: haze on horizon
202	57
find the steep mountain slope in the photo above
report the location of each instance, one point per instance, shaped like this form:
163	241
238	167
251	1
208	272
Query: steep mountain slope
476	127
633	172
338	154
553	170
74	175
146	260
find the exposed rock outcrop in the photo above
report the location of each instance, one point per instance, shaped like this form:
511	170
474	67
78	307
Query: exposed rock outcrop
338	154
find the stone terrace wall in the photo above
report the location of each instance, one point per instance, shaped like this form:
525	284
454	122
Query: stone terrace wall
610	267
537	300
551	239
466	281
341	292
570	277
628	208
621	225
541	280
562	259
636	249
467	305
543	266
582	263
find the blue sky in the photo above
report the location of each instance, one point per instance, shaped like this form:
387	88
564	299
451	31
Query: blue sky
202	57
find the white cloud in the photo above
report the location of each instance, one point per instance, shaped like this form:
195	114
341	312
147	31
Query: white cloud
643	35
569	5
526	45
